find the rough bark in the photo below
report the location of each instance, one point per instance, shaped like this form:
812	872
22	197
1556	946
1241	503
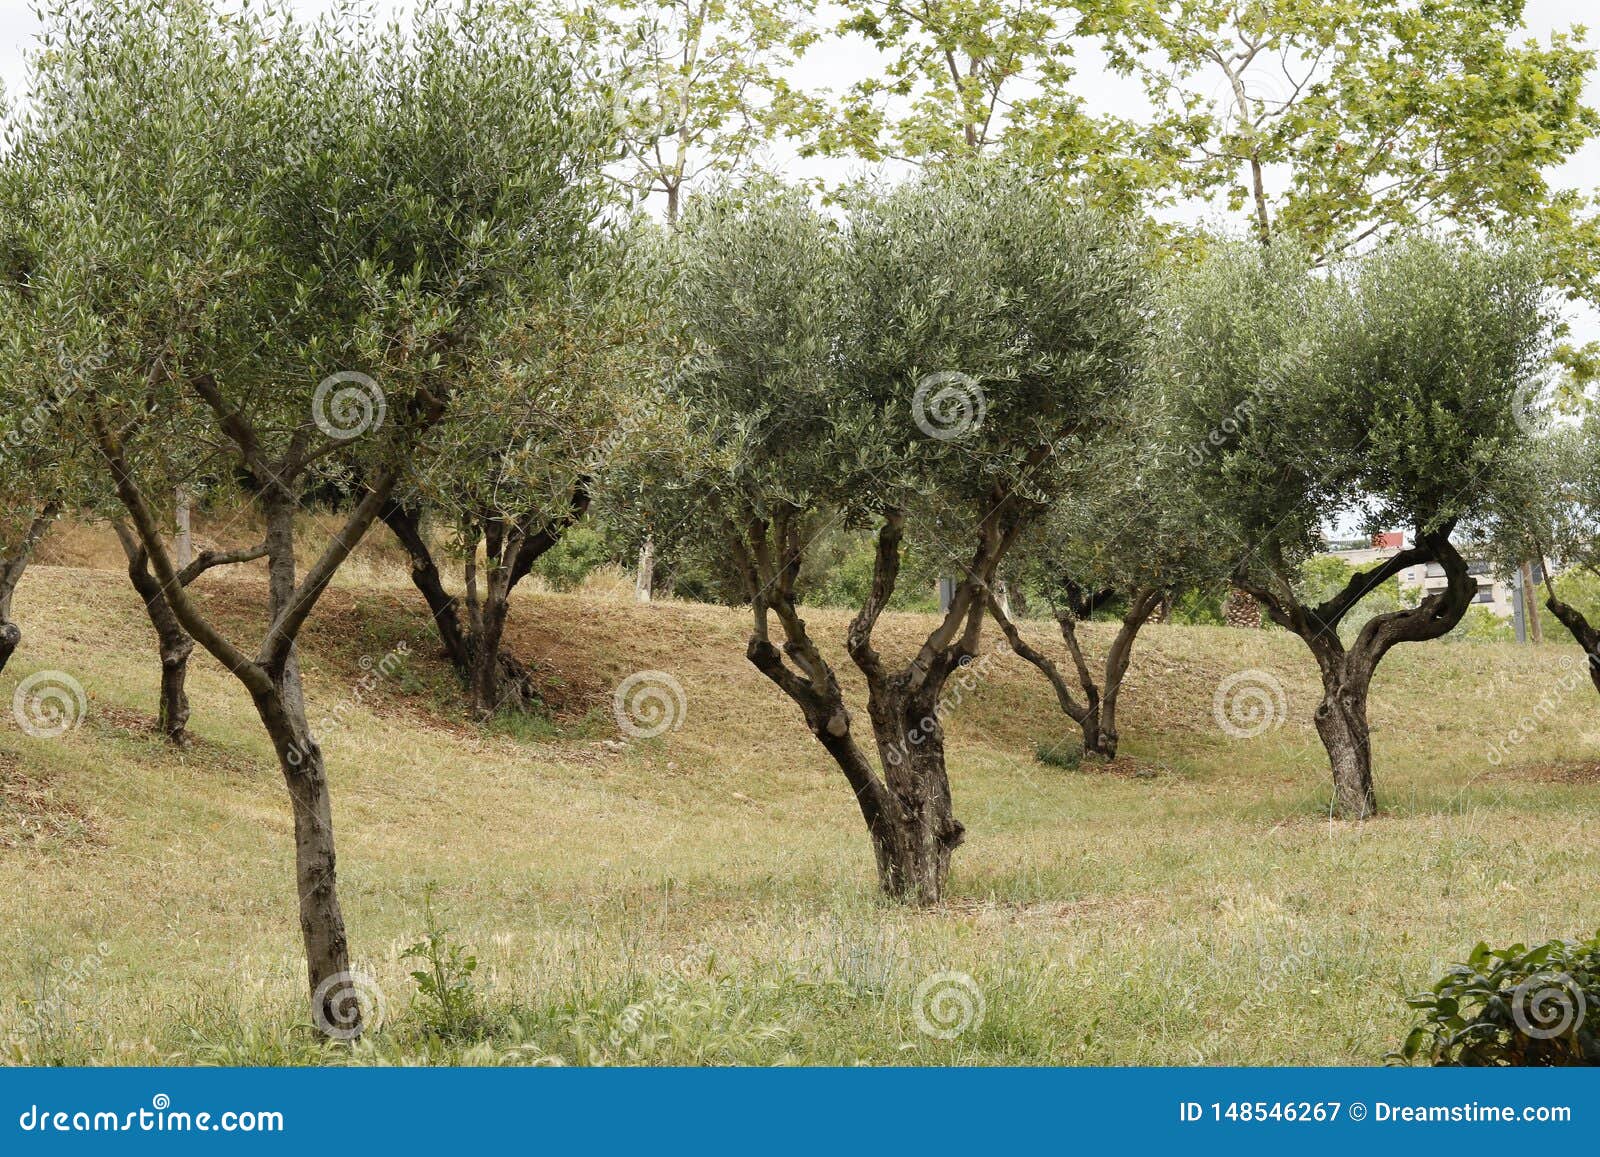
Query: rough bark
1341	717
1579	627
174	642
907	807
12	568
494	680
918	847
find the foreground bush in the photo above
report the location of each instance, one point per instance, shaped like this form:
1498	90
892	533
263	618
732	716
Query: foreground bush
1513	1006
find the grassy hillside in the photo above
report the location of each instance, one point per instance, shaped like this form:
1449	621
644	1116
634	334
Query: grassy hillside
708	896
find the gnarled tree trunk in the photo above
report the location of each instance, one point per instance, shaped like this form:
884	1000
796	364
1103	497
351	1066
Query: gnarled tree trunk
1578	626
908	807
494	680
1341	717
174	642
1096	715
926	833
1341	720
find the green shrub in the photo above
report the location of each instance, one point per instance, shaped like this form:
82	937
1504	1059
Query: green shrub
566	564
1513	1006
1481	625
1066	755
1199	608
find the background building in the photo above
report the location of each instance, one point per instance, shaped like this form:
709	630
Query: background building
1494	594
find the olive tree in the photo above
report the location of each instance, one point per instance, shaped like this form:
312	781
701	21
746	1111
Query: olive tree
1121	537
949	343
1387	388
48	472
174	644
36	377
31	491
297	240
520	457
1551	512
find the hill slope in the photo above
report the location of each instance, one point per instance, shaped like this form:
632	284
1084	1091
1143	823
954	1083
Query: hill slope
707	895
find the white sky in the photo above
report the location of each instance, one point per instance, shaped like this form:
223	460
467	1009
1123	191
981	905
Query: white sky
836	64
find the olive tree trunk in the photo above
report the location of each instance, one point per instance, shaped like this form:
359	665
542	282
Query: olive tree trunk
494	680
906	799
272	674
1096	714
1341	716
174	642
1579	627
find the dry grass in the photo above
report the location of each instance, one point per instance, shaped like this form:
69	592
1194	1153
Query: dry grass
707	895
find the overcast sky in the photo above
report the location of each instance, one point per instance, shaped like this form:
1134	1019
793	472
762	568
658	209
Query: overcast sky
835	65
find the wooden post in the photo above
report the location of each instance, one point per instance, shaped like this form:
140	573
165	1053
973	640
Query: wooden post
1530	604
643	584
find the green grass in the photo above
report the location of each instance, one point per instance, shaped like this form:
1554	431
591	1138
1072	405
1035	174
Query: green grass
707	896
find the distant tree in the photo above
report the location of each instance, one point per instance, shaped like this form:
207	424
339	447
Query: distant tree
952	345
1550	513
1332	124
968	78
517	465
1121	536
697	85
174	643
288	203
1390	386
